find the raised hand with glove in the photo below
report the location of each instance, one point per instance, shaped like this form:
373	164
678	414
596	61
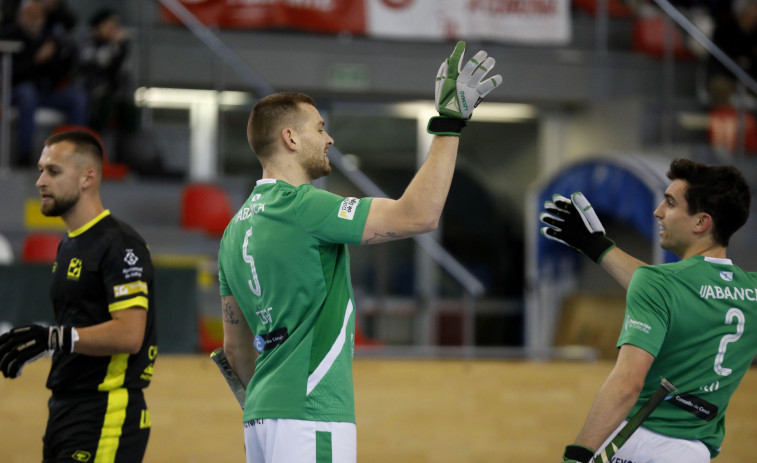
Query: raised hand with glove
573	222
459	89
26	344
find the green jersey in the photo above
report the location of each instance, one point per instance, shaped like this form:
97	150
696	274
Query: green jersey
284	259
698	317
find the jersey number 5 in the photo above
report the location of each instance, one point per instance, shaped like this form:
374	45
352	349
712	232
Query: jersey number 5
740	320
254	283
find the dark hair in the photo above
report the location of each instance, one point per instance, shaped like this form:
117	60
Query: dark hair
271	114
720	191
101	15
85	142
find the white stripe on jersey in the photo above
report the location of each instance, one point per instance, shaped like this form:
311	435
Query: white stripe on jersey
331	356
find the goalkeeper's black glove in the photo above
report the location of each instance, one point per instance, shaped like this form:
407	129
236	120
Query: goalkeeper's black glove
577	454
573	222
25	344
458	91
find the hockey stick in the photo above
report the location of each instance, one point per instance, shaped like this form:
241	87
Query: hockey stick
231	377
633	424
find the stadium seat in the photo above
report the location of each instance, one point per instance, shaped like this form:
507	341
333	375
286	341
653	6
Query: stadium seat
723	130
615	8
361	339
111	170
649	38
205	207
40	247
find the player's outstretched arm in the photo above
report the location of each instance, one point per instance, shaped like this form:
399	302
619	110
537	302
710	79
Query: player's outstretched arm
458	90
573	222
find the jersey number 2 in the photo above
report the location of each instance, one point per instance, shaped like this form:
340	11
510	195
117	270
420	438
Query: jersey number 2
740	320
254	283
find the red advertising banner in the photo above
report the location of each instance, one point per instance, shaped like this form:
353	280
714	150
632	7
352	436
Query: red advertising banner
327	16
525	21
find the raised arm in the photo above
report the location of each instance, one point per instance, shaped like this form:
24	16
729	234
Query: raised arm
457	92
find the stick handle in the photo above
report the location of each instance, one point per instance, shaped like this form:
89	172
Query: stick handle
633	424
232	379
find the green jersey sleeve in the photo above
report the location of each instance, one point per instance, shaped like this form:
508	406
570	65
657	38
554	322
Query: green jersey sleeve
331	218
647	316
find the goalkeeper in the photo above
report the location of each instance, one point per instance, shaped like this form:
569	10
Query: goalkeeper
286	295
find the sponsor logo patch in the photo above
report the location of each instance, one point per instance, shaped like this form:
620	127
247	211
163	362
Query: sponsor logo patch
347	208
637	325
128	289
74	269
270	340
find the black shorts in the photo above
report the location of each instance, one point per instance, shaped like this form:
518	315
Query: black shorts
113	425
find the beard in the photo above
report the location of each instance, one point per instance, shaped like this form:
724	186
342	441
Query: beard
317	166
59	206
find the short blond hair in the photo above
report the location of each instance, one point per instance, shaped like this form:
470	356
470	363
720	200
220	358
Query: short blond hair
270	115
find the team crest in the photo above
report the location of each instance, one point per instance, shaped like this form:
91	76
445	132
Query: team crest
130	258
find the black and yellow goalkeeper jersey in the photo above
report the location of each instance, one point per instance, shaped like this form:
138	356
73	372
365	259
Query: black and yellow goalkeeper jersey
101	268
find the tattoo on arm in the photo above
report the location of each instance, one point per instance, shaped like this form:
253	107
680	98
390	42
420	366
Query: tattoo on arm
378	237
229	316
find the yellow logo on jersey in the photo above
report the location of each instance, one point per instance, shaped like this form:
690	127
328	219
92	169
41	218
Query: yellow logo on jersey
81	455
74	269
148	372
144	421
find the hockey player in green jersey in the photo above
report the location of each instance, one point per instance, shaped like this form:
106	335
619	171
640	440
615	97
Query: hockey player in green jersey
691	321
287	299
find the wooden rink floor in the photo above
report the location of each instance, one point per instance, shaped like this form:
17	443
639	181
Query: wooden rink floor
407	411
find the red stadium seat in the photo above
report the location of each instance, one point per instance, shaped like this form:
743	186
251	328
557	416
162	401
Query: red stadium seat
649	38
40	248
111	170
615	8
205	207
723	130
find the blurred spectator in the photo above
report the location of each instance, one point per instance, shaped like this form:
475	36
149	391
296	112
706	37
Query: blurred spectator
60	16
104	70
42	74
736	34
8	9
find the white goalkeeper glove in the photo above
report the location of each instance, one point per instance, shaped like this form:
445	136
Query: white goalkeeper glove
460	89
